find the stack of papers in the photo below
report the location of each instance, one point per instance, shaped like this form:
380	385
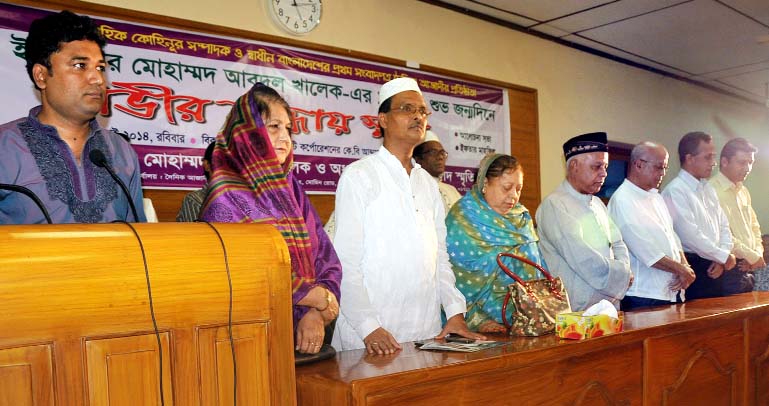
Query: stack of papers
478	345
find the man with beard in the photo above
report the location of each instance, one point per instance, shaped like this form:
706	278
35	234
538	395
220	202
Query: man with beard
47	151
579	241
659	266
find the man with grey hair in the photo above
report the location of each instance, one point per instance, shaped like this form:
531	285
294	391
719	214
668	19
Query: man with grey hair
656	257
698	218
737	157
391	238
579	241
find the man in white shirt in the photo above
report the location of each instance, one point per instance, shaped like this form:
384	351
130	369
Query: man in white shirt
698	218
656	257
737	157
579	241
391	239
432	157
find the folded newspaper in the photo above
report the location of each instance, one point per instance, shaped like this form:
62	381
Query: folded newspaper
434	345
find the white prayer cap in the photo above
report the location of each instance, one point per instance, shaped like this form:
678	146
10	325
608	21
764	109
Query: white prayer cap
430	136
396	86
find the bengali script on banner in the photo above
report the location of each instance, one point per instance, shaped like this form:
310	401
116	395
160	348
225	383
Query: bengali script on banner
170	91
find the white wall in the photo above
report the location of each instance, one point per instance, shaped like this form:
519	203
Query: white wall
578	92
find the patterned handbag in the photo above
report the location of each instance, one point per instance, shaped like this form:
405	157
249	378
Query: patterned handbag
537	302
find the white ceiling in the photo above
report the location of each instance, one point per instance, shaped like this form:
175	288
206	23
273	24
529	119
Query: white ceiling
723	44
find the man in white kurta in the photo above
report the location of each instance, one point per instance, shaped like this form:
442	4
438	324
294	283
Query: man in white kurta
391	239
657	260
697	216
579	241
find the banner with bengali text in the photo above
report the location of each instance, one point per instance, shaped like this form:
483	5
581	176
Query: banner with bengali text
169	92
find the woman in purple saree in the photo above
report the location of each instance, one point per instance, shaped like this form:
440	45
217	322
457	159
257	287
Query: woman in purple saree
252	181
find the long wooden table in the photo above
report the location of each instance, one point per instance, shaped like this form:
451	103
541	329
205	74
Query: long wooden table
704	352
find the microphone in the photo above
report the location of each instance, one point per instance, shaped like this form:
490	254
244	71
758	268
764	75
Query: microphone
97	158
31	195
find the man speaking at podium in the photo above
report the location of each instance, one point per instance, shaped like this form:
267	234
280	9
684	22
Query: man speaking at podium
48	151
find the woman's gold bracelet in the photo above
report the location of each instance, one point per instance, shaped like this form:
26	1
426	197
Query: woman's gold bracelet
328	300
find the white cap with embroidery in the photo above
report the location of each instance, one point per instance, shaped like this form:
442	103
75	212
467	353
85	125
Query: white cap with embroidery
396	86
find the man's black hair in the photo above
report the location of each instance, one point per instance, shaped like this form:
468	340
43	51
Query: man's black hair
47	34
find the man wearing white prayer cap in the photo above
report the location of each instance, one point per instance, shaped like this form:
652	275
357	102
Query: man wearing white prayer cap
432	157
391	238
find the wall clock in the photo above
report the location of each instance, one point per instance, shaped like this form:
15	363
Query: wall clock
297	17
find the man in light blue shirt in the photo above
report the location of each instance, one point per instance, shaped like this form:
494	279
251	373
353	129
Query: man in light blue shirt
579	241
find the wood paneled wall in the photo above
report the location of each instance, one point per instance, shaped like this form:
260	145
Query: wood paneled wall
524	144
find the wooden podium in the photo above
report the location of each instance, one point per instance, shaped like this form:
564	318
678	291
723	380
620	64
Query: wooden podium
76	329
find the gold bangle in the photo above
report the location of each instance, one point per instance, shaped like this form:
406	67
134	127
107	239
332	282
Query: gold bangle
328	300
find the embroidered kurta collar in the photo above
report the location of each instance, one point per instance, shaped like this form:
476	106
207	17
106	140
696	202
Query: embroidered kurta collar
63	176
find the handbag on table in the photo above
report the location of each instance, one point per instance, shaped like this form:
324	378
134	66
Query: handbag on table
537	302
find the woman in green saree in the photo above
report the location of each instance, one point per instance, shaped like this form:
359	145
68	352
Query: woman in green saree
488	220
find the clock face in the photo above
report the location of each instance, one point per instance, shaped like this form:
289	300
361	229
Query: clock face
296	16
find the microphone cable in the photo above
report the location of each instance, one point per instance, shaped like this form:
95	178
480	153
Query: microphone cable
30	194
152	307
229	321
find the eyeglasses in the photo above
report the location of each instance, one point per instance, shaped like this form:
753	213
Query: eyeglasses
659	167
411	109
436	153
